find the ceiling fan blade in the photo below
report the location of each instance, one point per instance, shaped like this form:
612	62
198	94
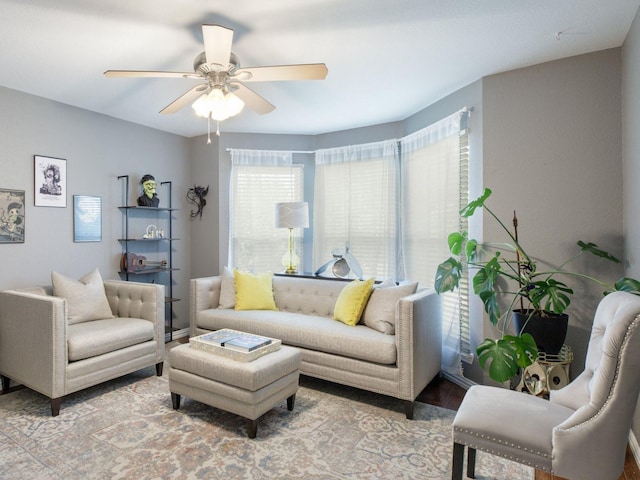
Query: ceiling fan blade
251	99
142	73
217	44
310	71
184	99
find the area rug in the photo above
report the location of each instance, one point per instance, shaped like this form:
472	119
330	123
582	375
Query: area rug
127	429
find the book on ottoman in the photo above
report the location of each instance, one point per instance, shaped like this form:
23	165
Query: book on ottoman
234	344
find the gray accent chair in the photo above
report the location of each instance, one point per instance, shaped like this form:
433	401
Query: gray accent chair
41	350
582	432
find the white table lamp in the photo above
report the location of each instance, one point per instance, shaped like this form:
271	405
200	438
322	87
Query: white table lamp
291	215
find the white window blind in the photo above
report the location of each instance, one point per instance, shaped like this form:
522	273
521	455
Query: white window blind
356	202
260	179
434	188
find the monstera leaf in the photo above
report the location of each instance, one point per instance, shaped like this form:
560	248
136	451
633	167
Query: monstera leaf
550	295
448	275
471	207
506	355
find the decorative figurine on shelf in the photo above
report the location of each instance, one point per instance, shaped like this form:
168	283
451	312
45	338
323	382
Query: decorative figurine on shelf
196	196
343	264
148	197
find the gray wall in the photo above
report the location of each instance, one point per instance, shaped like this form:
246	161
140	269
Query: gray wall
552	152
631	158
97	149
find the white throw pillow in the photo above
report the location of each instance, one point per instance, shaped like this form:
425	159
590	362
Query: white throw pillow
86	298
227	290
380	312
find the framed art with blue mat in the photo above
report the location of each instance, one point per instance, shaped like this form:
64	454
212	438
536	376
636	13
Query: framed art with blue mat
87	218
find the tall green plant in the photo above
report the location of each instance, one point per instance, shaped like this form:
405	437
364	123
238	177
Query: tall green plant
523	285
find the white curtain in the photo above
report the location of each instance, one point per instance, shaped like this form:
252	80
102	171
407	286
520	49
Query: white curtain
431	196
260	179
355	201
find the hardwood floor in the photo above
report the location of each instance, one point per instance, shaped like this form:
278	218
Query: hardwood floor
445	394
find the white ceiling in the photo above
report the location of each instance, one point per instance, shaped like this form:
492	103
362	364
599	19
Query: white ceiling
386	59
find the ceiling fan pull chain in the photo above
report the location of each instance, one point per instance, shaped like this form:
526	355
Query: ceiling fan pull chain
209	129
218	128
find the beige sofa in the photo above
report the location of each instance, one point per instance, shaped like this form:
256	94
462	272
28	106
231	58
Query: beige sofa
399	365
42	349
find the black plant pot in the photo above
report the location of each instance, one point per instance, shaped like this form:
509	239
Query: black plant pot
549	332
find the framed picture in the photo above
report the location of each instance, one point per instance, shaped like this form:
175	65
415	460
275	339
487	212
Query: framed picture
87	218
50	181
11	216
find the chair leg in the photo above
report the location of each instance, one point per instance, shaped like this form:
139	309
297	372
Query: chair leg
55	406
458	461
5	383
159	369
471	462
252	428
408	409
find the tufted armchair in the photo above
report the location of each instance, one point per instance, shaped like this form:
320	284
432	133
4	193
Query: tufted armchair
582	432
43	348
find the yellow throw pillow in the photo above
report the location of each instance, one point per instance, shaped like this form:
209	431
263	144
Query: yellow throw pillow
253	292
352	300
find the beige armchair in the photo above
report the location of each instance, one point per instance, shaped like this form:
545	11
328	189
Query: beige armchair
42	349
582	432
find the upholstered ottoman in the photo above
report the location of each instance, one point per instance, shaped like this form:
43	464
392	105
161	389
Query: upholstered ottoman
247	389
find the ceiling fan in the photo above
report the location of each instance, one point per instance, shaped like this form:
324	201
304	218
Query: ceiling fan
220	71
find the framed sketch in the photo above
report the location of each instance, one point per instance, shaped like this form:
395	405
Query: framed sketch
50	181
11	216
87	218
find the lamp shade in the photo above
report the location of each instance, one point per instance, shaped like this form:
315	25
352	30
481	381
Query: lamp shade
292	215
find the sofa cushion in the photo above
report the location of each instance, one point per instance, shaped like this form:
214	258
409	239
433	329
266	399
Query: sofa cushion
306	295
86	298
352	301
306	331
89	339
380	312
227	289
254	292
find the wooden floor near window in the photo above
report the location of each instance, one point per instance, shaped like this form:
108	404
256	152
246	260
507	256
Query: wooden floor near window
445	394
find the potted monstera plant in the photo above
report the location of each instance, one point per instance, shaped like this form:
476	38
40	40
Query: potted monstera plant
505	274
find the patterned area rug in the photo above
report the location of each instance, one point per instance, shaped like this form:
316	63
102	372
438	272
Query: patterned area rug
127	429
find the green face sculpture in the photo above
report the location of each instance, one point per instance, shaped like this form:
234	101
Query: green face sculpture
149	188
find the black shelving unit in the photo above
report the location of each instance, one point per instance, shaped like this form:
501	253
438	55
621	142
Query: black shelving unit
136	267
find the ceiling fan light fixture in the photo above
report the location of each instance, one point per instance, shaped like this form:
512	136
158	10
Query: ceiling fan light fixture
218	105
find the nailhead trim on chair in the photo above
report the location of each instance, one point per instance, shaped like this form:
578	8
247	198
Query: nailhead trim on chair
501	454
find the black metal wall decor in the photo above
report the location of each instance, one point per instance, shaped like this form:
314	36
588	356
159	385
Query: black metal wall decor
196	196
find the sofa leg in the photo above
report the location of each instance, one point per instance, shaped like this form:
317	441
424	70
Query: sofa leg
159	368
55	406
5	383
408	409
458	461
291	401
175	400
